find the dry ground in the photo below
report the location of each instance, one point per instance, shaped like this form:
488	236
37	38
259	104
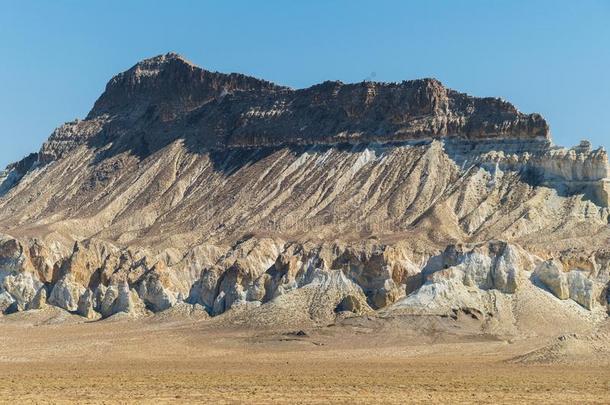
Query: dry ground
201	361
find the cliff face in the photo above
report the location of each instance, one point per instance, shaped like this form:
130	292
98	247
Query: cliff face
222	189
569	171
166	98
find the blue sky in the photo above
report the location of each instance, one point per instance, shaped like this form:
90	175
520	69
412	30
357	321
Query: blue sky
551	57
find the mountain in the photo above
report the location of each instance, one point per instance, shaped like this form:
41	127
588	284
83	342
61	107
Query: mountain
189	187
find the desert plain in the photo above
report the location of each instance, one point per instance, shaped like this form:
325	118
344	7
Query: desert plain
50	356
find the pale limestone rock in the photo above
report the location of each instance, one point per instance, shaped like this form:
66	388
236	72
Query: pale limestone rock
66	293
477	270
6	302
219	305
203	291
494	265
12	255
249	260
552	275
40	300
257	291
43	260
468	279
443	292
120	298
154	294
23	287
334	290
330	294
106	305
136	307
381	272
233	279
575	284
582	289
385	273
294	268
505	273
98	297
231	293
86	304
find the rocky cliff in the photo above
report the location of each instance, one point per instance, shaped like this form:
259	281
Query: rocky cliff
167	98
224	191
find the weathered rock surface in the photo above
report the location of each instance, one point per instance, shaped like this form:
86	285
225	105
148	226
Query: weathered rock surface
168	92
552	274
23	287
328	295
325	278
7	302
154	294
254	200
86	304
583	290
39	301
574	284
66	293
469	278
120	299
495	265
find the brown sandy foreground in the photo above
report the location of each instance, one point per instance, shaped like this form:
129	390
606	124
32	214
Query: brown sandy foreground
362	361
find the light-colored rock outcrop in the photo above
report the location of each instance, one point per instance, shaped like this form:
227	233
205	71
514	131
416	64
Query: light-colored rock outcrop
66	293
154	294
471	279
553	276
7	302
23	287
582	289
120	298
495	265
385	273
85	306
39	301
234	278
574	284
319	302
203	291
445	292
13	258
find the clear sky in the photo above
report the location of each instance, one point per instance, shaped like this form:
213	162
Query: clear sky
551	57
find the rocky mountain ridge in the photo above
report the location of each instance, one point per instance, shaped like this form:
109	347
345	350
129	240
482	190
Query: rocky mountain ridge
214	110
230	193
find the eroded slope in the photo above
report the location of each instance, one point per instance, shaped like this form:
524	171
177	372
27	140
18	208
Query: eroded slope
229	192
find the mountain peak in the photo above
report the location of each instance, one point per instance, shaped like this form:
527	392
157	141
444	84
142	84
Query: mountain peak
170	80
160	61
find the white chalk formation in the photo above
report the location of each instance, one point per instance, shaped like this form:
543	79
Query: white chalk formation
357	278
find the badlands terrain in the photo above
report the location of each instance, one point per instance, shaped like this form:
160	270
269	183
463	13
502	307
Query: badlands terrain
210	236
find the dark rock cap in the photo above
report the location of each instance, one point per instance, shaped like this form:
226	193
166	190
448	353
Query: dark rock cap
165	98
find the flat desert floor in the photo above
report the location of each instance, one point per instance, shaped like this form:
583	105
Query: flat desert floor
60	360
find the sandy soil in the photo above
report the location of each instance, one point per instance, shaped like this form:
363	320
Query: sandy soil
199	361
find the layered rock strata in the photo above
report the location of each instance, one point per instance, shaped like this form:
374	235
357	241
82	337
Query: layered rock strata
357	277
191	189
